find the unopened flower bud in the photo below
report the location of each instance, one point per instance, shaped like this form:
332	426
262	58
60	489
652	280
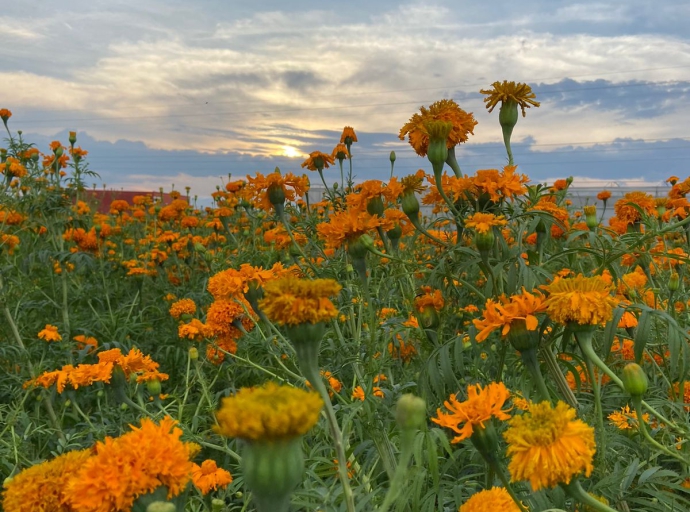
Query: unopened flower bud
375	206
634	379
410	412
674	282
217	505
72	137
392	156
161	506
410	205
591	216
193	353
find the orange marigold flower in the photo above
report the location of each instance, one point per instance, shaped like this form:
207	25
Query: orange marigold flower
318	161
86	341
490	500
340	152
348	225
42	487
348	133
429	298
502	314
481	405
625	419
134	464
182	307
483	222
358	393
260	186
510	92
604	195
292	301
118	206
209	477
505	184
547	446
268	413
401	350
582	300
628	207
5	114
50	333
443	110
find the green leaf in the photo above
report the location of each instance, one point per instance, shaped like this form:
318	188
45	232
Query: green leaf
644	328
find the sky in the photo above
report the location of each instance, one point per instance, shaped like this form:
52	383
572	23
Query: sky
187	92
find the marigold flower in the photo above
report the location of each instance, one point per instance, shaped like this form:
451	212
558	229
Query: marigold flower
292	301
625	419
518	93
581	300
182	307
490	500
209	477
348	225
443	110
5	114
481	405
547	446
628	207
505	184
50	333
340	152
502	314
134	464
358	394
86	341
268	413
604	195
483	222
42	487
348	133
291	186
429	299
318	161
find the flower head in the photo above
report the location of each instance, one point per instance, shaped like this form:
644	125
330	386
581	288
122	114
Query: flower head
581	300
268	413
483	222
5	114
502	314
505	92
50	333
481	405
340	152
547	445
625	419
347	225
490	500
182	307
463	124
632	205
209	476
348	133
604	195
318	161
294	301
260	188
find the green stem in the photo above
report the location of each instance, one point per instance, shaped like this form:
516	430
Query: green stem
398	481
575	490
637	402
597	405
552	364
529	359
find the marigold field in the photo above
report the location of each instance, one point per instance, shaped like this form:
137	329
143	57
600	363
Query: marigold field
282	351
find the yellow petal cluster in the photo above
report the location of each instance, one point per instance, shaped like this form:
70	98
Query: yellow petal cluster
483	222
581	300
293	301
490	500
547	446
510	91
268	413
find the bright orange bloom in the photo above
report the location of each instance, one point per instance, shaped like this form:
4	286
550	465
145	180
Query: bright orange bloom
290	185
628	207
547	446
182	307
209	477
50	333
490	500
429	298
348	225
509	92
481	405
5	114
483	222
501	315
505	184
604	195
625	419
318	160
293	301
443	110
340	152
582	300
358	393
348	132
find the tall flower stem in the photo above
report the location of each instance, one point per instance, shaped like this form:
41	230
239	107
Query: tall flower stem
596	387
398	481
529	359
637	402
308	357
556	374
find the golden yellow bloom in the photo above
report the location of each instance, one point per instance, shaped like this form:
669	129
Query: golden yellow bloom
483	222
50	333
268	413
490	500
318	160
547	446
293	301
509	91
502	314
582	300
481	405
42	487
182	307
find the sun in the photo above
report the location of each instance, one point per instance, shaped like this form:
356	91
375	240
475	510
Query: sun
291	152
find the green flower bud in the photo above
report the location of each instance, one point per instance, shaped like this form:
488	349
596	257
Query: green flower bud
356	249
375	206
217	505
410	205
161	506
410	413
193	353
154	387
392	156
634	379
674	282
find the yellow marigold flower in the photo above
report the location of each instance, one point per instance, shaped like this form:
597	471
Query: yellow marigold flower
547	446
483	222
318	160
625	419
510	91
490	500
481	405
443	110
134	464
182	307
50	333
268	413
293	301
502	314
581	300
42	487
209	477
